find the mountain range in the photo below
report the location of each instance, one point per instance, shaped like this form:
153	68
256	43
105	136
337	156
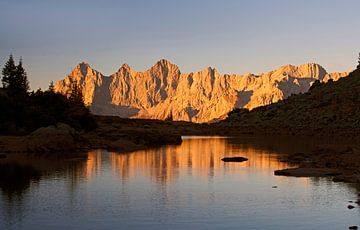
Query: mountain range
331	108
163	92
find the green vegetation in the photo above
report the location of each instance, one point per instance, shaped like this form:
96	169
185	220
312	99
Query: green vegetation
22	112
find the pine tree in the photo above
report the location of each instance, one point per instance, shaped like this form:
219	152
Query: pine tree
74	93
14	77
9	73
51	87
22	83
358	67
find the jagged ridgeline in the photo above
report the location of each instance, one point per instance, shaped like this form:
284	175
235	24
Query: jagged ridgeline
163	92
334	105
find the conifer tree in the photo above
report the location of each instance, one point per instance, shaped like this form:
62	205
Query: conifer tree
75	93
51	87
22	83
358	67
9	73
14	77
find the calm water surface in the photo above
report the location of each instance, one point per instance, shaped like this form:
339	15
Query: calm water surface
173	187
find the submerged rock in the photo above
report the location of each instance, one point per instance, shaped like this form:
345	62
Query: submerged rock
234	159
353	227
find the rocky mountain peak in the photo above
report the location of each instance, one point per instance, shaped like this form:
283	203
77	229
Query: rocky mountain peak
83	63
125	66
83	68
163	91
164	64
210	70
312	69
86	77
309	70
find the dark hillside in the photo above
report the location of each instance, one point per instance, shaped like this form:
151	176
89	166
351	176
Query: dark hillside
334	105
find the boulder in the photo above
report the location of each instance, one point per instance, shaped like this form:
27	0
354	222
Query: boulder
60	129
56	138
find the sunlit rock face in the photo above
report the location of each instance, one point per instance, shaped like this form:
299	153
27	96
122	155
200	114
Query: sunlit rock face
89	79
163	92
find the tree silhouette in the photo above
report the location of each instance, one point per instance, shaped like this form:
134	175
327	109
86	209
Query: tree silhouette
74	93
9	73
358	67
14	77
21	83
51	86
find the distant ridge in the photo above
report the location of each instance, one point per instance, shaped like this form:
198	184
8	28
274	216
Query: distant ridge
333	107
163	92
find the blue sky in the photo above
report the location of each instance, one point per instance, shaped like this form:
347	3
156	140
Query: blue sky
232	36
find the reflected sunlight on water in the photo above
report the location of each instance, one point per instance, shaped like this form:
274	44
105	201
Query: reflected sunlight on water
201	157
172	187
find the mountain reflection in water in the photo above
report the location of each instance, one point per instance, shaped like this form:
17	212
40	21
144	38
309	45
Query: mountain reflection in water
185	186
198	157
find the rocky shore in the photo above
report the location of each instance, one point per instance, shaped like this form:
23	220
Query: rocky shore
109	135
340	162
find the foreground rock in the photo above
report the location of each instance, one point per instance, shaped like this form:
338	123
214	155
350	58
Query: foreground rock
234	159
307	172
55	138
342	162
110	135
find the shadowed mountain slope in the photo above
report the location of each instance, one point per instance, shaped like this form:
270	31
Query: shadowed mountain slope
331	105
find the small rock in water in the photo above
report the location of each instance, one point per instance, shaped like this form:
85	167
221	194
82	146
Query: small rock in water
274	186
234	159
350	207
353	227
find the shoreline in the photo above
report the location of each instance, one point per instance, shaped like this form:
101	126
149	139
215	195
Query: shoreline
342	163
129	135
